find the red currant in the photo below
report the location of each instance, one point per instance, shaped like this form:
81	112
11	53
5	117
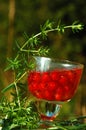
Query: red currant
59	94
33	87
51	86
45	77
34	76
54	75
48	95
63	80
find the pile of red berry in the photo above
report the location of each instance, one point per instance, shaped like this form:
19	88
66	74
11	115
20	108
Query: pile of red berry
56	85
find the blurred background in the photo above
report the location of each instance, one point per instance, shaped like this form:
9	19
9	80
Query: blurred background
19	16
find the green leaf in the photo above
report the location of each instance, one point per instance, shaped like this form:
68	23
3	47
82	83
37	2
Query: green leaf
8	87
47	25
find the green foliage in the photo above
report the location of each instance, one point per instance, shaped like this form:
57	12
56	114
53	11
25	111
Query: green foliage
17	114
73	124
18	117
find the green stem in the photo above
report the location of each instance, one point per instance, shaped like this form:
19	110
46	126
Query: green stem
17	92
32	51
79	26
16	81
16	88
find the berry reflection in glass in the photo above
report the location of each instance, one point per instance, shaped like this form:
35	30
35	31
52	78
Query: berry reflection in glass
53	82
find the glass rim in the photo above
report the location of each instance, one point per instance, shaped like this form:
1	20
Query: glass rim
61	60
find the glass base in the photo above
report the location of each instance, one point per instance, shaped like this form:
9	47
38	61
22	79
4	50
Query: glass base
48	111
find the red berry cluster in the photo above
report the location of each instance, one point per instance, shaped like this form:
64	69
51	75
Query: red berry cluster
56	85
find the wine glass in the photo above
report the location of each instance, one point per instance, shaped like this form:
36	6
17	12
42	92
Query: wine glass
53	82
